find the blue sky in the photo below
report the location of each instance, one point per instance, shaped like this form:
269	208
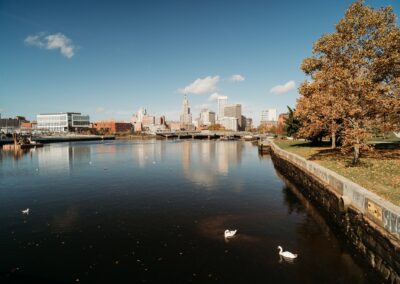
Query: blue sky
109	58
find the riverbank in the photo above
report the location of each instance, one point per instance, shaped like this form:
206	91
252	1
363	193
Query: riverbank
63	138
379	171
370	223
135	137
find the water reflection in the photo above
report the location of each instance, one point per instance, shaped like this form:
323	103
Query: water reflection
15	154
61	158
156	211
200	161
312	242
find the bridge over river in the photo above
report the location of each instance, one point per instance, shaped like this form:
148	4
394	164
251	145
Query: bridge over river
207	135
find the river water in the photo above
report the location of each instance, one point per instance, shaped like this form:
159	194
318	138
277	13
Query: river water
155	212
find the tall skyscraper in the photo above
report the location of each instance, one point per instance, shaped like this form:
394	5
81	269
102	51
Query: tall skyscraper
186	116
222	102
234	111
141	113
206	117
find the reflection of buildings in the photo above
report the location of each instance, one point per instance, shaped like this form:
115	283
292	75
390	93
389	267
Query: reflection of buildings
201	161
148	152
57	158
228	154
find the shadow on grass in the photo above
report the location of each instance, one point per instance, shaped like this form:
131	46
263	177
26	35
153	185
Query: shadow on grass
328	154
337	155
387	145
311	145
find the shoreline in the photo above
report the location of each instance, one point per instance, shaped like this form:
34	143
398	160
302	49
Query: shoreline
368	222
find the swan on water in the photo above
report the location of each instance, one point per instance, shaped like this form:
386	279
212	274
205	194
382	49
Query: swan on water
286	254
26	211
229	234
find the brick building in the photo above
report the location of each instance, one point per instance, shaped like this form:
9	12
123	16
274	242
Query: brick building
112	126
281	123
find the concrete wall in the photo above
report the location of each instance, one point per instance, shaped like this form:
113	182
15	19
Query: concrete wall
370	223
380	211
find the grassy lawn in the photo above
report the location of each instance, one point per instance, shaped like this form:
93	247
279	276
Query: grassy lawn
379	170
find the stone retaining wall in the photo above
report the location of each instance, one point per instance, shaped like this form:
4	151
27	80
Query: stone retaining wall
369	222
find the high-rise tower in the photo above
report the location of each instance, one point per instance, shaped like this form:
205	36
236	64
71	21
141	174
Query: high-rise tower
186	116
222	102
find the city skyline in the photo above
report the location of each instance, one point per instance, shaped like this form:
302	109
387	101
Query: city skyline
151	54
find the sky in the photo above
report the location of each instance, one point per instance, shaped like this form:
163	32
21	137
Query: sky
109	58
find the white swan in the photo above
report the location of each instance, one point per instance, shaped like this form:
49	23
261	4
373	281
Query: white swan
26	211
286	253
229	234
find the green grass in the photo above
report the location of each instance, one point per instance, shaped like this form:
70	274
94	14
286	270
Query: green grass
378	172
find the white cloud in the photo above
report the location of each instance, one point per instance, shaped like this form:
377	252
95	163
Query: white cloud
35	40
201	86
213	97
280	89
54	41
100	110
236	78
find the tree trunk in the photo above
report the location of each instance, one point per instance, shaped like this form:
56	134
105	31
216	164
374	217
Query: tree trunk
333	139
356	157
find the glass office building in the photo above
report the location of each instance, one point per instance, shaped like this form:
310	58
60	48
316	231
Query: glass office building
62	122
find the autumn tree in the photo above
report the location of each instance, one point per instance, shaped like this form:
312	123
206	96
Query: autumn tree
355	79
216	127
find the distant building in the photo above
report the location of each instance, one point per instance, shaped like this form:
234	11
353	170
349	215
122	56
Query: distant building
249	124
222	102
268	115
8	125
281	123
112	126
141	114
229	123
174	125
234	111
142	121
63	121
137	119
160	120
28	125
206	118
154	128
186	116
137	127
148	120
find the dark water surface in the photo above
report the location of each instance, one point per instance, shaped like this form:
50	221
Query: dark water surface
155	212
